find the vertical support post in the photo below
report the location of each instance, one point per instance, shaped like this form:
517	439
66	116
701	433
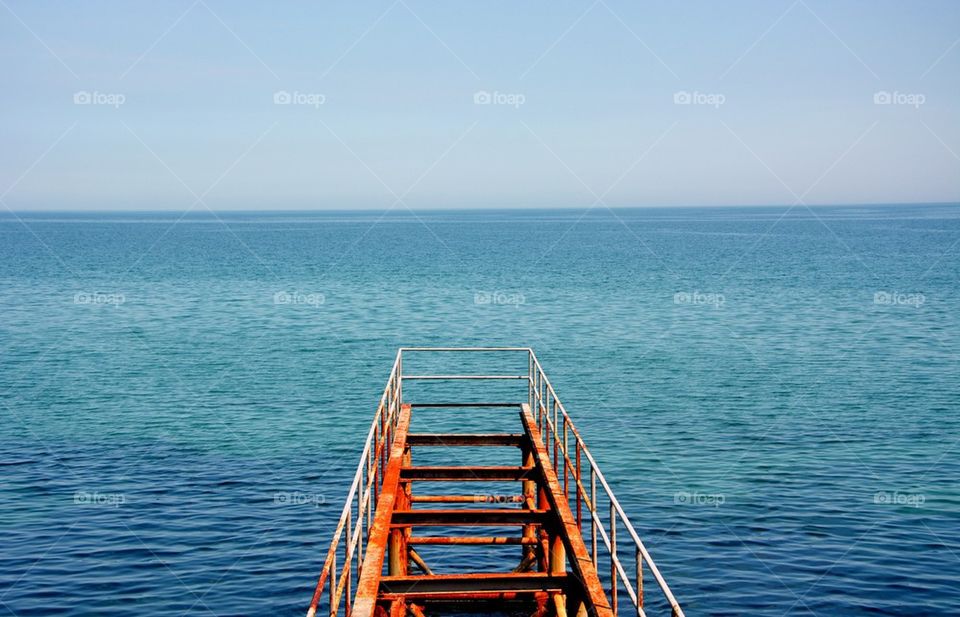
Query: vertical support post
375	465
558	554
530	378
613	559
396	548
639	582
399	557
556	446
407	500
348	563
545	561
594	515
566	462
333	584
577	488
529	501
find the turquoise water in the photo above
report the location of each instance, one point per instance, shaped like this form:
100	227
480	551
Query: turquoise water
773	393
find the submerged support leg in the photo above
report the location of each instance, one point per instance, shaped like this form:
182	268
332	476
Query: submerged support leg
529	502
542	599
559	605
419	562
398	608
416	610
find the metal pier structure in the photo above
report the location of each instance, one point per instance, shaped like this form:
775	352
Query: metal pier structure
568	548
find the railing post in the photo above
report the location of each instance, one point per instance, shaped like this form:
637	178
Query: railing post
578	488
529	498
566	461
594	515
348	563
639	581
613	558
530	379
332	578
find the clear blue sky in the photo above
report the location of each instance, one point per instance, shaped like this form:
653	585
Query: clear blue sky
583	103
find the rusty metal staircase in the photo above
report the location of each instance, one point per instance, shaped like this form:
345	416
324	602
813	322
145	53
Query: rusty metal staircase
389	517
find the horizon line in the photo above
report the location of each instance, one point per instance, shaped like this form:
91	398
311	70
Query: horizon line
389	210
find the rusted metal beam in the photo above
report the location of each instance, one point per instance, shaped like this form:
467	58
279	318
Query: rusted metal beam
481	473
420	586
466	499
490	602
579	558
369	584
469	540
463	516
465	439
463	405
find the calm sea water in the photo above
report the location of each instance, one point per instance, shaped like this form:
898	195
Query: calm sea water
773	393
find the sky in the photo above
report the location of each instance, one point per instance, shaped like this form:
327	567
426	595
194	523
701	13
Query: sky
225	105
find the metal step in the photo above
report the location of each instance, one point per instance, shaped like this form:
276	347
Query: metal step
469	540
502	516
477	499
465	439
478	473
528	582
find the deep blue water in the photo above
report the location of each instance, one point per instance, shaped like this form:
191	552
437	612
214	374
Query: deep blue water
801	367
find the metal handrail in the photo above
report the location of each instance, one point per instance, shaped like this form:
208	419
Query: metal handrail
541	394
369	471
556	426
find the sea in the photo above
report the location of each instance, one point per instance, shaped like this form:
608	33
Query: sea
772	392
